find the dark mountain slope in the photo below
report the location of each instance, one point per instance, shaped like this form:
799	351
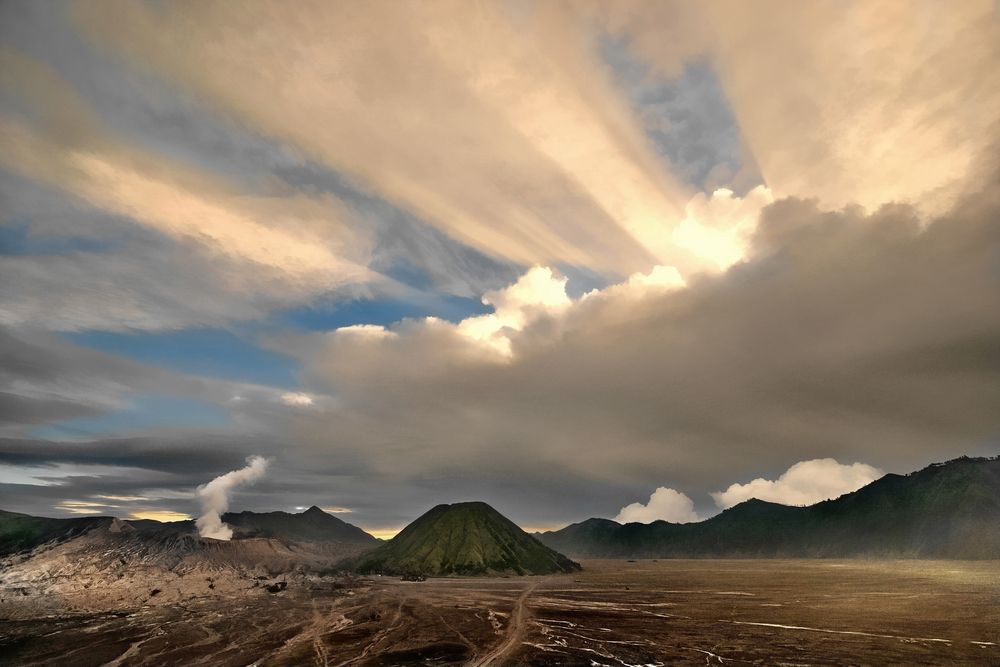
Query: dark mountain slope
466	539
313	525
947	510
20	532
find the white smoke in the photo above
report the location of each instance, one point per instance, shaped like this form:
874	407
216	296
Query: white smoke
214	497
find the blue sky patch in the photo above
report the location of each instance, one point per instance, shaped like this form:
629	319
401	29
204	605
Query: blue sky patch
384	312
143	412
16	240
215	353
687	119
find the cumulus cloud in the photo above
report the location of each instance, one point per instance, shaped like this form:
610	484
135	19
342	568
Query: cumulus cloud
717	228
664	504
870	336
840	330
214	497
805	483
535	293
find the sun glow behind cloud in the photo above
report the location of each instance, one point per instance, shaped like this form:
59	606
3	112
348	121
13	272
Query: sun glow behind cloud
160	515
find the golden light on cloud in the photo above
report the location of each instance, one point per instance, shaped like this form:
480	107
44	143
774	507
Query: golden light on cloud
301	238
82	507
337	510
514	141
883	102
297	399
299	241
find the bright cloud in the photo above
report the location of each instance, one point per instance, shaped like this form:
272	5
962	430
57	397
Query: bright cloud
297	399
885	102
718	228
83	507
667	277
283	236
514	141
664	504
805	483
159	515
537	292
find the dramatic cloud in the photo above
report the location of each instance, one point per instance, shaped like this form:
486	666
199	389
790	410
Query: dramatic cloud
292	237
535	156
859	103
805	483
868	336
214	497
664	504
537	292
662	306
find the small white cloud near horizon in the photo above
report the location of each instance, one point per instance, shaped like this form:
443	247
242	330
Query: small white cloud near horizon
664	503
297	399
805	483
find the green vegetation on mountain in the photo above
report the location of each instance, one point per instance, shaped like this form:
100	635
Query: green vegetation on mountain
464	539
20	532
947	510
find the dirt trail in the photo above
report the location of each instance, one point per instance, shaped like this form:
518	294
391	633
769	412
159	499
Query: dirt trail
380	636
515	632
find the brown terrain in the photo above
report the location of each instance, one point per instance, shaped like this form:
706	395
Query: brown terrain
616	613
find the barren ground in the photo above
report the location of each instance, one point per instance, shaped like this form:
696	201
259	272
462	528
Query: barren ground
705	612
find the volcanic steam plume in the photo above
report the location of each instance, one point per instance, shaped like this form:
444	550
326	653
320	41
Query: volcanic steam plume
214	497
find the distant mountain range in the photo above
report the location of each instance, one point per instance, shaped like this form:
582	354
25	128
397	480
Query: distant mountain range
464	539
21	532
947	510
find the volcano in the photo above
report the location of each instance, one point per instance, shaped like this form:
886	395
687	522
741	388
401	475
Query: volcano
463	539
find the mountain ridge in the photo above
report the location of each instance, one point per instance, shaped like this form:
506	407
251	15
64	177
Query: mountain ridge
312	525
23	532
945	510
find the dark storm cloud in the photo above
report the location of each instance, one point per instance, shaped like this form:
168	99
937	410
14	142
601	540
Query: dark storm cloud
15	409
190	455
860	337
120	475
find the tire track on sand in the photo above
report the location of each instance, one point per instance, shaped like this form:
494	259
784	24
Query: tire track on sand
515	632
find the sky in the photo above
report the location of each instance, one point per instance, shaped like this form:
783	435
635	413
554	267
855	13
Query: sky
637	260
